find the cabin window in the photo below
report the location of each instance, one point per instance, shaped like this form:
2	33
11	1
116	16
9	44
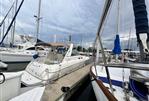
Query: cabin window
31	48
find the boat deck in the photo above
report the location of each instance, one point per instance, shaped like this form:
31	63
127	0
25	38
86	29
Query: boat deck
53	91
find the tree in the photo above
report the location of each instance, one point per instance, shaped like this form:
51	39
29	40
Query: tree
79	48
90	49
84	50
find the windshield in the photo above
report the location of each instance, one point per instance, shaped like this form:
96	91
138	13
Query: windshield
55	56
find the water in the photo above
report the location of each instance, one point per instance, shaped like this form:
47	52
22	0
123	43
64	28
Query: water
14	67
84	93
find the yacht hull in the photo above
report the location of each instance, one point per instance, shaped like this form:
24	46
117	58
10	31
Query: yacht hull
12	83
119	78
16	61
31	75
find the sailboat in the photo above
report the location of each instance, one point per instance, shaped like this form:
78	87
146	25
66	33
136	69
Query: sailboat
123	81
44	70
19	58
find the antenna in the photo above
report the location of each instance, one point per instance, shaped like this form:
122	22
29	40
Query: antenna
38	18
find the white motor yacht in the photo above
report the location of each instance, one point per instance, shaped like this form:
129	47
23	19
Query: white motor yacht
21	57
43	70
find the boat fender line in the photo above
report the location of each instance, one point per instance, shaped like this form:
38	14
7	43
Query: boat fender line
65	89
3	78
35	56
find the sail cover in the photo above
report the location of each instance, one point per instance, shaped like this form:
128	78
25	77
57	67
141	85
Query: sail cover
141	20
117	47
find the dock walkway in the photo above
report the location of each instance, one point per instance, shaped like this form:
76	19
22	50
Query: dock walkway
53	91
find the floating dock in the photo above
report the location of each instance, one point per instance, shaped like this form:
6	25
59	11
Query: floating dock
53	90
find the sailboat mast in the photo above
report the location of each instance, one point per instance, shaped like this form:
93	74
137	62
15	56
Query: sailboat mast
69	40
14	25
38	20
118	17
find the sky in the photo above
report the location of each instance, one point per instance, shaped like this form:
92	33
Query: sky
79	18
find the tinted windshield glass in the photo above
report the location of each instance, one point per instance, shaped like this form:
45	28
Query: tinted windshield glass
54	56
31	48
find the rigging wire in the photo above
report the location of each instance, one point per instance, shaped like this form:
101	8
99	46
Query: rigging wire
11	22
128	44
6	14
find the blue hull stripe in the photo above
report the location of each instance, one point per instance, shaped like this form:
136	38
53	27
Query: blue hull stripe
114	82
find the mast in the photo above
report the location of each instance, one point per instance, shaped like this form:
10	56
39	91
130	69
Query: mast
118	17
117	48
38	18
142	28
14	25
70	38
55	38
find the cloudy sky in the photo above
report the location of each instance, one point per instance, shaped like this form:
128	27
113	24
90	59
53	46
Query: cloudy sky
80	18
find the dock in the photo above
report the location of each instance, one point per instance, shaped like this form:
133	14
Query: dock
53	90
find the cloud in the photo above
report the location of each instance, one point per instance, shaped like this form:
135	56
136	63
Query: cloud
77	17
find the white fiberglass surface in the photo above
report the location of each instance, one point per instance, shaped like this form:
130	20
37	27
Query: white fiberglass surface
29	79
44	71
32	95
119	93
115	73
12	75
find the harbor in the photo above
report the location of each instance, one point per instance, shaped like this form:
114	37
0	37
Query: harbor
66	50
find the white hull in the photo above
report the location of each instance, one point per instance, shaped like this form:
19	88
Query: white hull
16	55
44	70
100	96
39	73
118	77
119	93
11	87
14	58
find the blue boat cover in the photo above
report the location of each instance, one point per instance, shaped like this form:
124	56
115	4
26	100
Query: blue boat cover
117	47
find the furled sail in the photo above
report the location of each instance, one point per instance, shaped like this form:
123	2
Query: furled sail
141	20
117	47
142	28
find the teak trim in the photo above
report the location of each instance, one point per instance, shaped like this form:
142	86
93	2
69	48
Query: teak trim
108	94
